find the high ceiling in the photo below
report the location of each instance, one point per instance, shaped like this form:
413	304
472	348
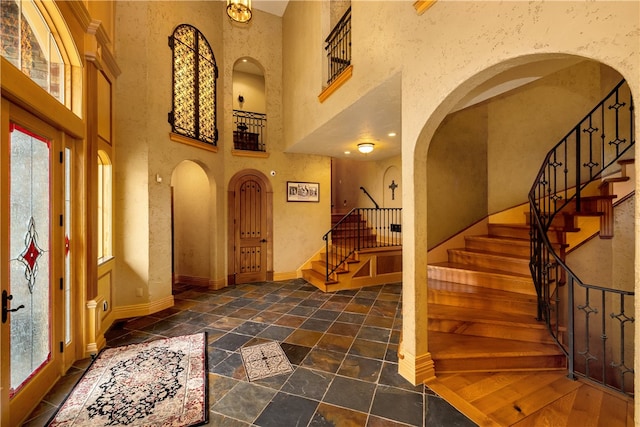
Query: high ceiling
274	7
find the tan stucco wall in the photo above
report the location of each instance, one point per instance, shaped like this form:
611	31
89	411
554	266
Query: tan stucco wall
526	124
457	174
349	175
609	262
442	55
143	98
251	87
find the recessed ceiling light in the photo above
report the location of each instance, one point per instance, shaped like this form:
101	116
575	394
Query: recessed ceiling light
392	134
347	152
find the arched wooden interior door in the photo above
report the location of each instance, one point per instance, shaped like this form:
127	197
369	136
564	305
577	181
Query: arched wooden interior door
250	228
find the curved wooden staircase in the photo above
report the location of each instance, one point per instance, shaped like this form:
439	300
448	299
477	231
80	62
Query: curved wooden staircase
483	303
482	307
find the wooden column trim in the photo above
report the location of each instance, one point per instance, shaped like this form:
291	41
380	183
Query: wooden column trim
416	369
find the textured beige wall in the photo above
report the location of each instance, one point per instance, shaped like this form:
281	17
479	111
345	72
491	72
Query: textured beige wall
442	55
457	174
527	123
349	175
251	87
609	262
143	97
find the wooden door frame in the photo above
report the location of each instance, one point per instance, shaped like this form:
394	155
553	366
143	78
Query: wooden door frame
264	181
17	408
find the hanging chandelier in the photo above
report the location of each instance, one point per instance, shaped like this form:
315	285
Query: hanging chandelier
239	10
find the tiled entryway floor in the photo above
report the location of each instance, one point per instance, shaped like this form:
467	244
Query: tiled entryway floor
343	348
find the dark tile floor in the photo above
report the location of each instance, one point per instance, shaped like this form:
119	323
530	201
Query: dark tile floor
343	348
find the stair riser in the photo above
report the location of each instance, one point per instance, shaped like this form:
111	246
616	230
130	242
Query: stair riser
511	332
498	247
476	278
309	277
491	364
512	265
320	267
500	231
478	302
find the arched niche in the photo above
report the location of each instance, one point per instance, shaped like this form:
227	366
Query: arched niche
249	93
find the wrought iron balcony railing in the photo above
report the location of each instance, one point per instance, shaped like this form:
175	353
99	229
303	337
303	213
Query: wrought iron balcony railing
338	47
593	324
249	130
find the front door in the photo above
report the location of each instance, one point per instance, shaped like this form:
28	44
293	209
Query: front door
251	233
33	254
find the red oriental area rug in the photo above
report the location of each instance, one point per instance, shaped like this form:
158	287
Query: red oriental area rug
157	383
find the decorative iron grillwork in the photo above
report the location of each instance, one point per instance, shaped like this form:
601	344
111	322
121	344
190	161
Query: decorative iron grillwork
587	321
194	85
249	130
338	47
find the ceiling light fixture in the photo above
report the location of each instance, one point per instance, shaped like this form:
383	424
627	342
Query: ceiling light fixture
365	147
239	10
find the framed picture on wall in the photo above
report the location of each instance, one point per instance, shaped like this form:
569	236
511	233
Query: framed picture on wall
303	191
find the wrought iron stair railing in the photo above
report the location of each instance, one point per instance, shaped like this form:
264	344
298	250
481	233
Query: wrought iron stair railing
593	324
361	228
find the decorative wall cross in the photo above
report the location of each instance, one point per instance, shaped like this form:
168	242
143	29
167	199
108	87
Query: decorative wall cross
393	187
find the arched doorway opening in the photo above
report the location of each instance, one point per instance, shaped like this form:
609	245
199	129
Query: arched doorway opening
190	225
483	155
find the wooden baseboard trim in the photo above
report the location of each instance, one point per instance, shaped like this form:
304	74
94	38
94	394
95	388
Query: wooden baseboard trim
192	280
137	310
217	284
289	275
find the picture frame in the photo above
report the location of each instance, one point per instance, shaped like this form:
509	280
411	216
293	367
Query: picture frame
299	191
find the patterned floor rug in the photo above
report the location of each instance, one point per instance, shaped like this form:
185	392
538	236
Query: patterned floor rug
264	360
157	383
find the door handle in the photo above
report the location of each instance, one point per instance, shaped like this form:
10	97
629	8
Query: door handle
263	241
5	303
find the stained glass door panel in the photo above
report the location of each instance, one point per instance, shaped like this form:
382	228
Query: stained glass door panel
29	255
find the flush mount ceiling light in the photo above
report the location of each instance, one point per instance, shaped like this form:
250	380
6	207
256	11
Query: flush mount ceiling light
365	147
239	10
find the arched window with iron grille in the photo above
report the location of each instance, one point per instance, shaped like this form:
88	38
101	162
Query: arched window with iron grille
195	73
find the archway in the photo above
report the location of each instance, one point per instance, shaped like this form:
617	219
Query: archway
191	231
480	150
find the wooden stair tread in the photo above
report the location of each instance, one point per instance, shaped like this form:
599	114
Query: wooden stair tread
457	266
508	240
318	276
437	311
455	346
491	255
479	291
615	179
